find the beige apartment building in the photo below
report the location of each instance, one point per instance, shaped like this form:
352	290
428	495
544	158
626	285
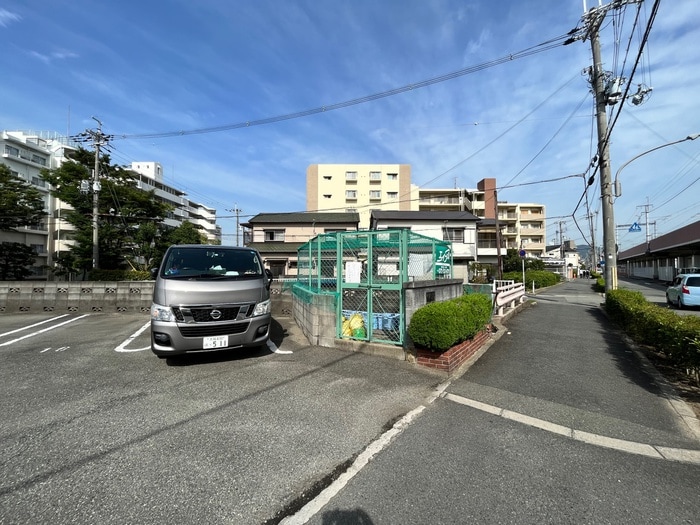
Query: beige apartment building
362	188
359	188
522	225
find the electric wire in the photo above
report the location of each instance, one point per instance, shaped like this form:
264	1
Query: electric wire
533	50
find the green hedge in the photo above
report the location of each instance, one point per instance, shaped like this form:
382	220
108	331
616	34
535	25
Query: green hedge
540	278
440	326
119	275
677	336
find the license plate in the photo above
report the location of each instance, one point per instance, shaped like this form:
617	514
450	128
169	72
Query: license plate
216	341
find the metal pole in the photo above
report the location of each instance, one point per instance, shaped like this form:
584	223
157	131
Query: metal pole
96	199
610	250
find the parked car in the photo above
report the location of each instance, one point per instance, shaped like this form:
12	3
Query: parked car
210	298
684	291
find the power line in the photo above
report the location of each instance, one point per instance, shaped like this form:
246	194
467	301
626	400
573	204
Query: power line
533	50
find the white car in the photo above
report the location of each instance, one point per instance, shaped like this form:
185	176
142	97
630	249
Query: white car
684	291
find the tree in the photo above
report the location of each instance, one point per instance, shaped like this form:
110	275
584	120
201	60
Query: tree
512	262
20	205
15	261
129	219
186	233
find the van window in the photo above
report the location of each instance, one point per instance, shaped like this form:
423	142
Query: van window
193	262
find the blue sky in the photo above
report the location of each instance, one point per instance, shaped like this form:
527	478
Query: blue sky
154	68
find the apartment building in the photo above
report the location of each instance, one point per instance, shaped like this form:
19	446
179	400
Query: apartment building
26	153
521	225
358	188
150	177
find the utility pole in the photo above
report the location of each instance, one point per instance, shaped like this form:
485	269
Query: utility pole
96	198
98	139
597	78
237	212
605	94
499	259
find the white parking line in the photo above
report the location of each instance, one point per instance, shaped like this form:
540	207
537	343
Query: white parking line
44	330
273	348
32	325
122	347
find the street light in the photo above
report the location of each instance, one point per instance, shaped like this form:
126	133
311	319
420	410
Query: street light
617	193
616	184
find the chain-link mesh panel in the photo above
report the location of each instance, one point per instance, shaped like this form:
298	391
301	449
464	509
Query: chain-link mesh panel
367	269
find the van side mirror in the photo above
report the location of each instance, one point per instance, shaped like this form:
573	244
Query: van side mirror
269	275
154	273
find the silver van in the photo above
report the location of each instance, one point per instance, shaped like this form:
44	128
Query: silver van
210	298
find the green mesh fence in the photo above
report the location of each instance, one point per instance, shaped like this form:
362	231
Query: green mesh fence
366	270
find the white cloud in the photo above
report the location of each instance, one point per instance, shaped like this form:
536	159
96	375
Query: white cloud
7	17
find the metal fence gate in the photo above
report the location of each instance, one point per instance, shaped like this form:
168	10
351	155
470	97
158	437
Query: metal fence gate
367	270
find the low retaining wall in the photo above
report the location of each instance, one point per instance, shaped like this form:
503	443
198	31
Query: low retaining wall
81	296
450	360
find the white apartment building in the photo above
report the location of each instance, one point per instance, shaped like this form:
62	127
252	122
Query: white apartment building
26	153
358	188
151	178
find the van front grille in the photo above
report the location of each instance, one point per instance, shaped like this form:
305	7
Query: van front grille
213	329
212	314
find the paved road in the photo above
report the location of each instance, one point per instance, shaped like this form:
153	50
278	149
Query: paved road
654	292
97	430
556	423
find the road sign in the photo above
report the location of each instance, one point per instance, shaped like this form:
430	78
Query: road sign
521	253
635	228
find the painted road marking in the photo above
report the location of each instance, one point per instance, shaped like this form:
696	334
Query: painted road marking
32	325
44	330
273	348
122	347
632	447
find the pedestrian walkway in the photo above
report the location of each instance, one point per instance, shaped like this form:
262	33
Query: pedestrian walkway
561	366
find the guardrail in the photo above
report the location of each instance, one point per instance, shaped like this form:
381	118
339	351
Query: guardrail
507	295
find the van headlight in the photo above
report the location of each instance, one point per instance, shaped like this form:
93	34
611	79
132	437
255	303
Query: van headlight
162	313
262	308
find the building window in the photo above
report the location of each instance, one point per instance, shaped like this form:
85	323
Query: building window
326	177
11	151
375	175
351	194
453	234
392	176
326	195
37	248
274	235
375	195
36	159
351	175
392	195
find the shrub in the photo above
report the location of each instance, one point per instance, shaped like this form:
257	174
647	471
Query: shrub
440	326
678	337
540	278
119	275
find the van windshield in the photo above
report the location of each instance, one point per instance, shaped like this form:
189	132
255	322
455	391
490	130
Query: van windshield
211	263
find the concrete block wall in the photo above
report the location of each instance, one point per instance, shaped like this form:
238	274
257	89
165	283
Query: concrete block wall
81	296
316	319
420	293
